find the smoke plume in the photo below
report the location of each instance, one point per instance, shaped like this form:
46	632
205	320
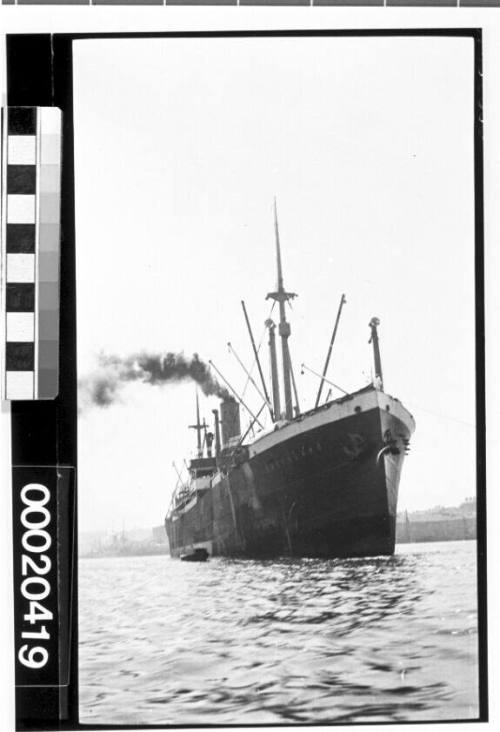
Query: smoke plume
102	387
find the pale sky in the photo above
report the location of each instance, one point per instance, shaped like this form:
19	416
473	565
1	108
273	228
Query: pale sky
181	145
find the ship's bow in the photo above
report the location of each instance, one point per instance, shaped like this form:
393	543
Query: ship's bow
333	486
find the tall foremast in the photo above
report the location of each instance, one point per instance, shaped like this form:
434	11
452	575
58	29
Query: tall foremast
281	296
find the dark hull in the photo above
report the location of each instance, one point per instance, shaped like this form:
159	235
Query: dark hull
326	492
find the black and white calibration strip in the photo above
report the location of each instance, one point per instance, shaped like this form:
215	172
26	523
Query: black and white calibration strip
31	203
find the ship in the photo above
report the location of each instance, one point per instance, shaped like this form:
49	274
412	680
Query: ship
321	483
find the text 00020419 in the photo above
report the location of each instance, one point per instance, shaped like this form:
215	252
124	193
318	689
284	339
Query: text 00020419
35	587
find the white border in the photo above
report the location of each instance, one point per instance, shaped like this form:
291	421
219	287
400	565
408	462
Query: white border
54	19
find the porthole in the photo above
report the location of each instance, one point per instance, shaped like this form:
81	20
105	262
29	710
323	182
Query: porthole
357	409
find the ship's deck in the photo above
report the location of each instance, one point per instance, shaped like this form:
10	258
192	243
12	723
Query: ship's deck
359	401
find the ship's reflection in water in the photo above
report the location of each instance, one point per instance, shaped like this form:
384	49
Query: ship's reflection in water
290	641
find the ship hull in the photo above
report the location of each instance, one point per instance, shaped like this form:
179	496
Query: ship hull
327	490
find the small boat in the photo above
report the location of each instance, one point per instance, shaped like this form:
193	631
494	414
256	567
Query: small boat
197	555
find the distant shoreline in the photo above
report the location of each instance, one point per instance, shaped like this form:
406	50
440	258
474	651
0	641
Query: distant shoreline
164	551
440	523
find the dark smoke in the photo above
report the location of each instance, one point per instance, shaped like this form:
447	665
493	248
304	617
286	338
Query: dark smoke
102	387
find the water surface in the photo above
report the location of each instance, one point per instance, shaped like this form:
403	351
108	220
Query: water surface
232	641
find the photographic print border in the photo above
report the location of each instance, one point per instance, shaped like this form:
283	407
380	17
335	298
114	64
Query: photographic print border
39	73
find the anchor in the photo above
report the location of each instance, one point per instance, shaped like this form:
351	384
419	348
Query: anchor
390	446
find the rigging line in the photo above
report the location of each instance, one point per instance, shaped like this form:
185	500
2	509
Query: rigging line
249	374
239	399
262	340
303	366
254	363
262	396
440	416
242	439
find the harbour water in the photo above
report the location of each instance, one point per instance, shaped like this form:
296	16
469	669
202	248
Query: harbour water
286	641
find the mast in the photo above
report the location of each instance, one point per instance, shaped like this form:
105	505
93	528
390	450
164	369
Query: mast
294	385
198	427
281	296
256	355
374	322
274	370
332	340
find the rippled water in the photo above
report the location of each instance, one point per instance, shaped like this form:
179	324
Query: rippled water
229	641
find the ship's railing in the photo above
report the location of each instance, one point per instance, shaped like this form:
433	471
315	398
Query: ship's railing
310	412
183	494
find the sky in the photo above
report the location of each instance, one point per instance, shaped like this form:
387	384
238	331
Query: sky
180	147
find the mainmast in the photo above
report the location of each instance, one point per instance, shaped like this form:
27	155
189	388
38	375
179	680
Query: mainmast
281	296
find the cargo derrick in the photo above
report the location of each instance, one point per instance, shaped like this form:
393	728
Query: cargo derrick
322	483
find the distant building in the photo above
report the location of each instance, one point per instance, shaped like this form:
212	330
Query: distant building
159	534
438	524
